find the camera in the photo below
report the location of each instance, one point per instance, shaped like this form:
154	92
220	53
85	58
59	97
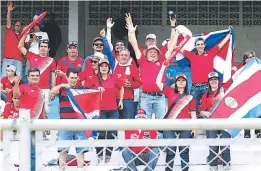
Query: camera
172	14
146	135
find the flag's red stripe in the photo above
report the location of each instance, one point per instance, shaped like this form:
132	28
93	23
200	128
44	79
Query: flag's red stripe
242	93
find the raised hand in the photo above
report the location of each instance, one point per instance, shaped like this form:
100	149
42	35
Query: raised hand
166	63
230	29
172	21
10	6
109	23
102	32
128	18
17	80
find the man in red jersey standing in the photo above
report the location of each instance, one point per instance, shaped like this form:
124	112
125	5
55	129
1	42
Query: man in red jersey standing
31	97
202	63
12	55
45	64
67	112
72	60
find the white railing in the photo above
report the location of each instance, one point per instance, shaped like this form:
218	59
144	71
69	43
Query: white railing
25	125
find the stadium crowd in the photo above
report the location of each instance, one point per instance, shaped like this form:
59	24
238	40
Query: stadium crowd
130	89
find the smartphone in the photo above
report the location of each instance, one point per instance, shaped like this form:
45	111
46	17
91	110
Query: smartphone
172	14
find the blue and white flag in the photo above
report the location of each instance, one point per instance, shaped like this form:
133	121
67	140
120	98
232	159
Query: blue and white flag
223	62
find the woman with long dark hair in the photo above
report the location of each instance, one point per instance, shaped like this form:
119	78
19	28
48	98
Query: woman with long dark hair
181	105
108	85
209	101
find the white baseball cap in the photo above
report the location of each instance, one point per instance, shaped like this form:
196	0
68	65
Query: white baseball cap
11	67
212	75
151	36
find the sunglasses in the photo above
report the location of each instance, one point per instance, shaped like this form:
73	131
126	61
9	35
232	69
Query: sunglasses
98	44
95	62
198	44
73	43
16	98
34	75
45	41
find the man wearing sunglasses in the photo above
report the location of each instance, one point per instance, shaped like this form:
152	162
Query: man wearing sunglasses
97	46
12	55
202	63
72	60
45	64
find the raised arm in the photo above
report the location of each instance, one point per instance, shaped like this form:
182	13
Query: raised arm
161	74
224	41
21	45
107	49
16	90
173	32
132	37
56	89
172	43
108	35
8	16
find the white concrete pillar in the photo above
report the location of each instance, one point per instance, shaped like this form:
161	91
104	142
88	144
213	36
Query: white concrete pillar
73	21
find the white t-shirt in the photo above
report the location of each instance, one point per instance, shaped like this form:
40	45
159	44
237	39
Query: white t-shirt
34	48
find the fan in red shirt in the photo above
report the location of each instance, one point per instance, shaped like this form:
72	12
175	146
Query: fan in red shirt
7	83
93	72
45	64
181	105
12	109
72	60
12	55
31	97
141	155
152	99
97	45
127	71
108	85
209	100
202	63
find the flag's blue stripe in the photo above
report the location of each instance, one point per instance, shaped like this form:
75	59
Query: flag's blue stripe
253	113
73	100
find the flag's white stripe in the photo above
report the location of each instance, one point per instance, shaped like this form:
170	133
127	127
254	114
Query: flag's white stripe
228	62
249	105
82	91
75	108
245	75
